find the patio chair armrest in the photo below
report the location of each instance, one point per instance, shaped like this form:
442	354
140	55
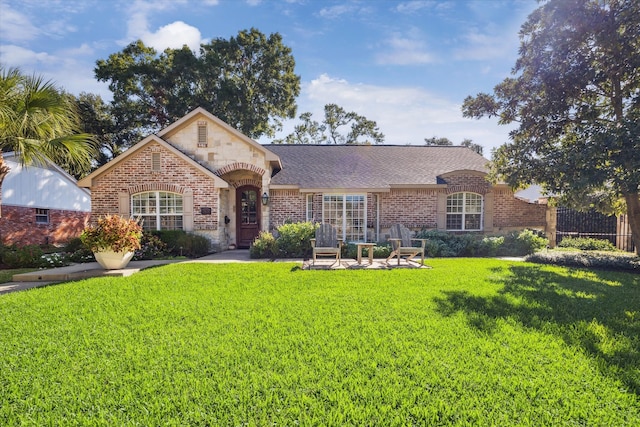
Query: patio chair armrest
340	243
313	243
424	242
395	243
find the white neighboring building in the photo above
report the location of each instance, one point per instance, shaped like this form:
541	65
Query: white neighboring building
41	204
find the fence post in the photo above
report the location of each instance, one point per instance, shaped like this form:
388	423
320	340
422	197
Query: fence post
551	225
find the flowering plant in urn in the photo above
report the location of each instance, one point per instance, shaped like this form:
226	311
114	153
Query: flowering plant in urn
113	233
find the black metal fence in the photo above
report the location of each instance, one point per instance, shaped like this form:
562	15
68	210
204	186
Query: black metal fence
590	224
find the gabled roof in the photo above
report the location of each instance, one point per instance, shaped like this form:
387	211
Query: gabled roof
270	156
45	186
371	167
87	181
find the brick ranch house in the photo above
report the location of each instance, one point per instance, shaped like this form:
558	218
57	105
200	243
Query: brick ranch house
201	175
41	204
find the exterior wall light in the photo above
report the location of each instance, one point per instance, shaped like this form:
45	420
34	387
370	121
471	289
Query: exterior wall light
265	199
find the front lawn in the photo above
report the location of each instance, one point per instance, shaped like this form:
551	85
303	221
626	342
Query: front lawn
469	342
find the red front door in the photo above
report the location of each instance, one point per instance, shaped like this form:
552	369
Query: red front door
247	215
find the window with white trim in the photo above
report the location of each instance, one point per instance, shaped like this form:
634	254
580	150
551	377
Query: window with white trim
309	215
42	216
464	212
159	210
348	214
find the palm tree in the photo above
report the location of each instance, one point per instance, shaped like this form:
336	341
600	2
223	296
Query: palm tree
39	123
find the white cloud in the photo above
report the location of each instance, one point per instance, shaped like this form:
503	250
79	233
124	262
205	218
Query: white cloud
16	56
15	26
480	46
173	35
415	6
336	11
402	50
405	114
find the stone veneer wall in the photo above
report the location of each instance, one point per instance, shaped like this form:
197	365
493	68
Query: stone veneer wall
18	226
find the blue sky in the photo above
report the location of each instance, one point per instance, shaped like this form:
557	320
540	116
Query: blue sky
408	65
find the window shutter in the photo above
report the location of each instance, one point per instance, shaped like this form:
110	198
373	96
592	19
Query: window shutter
441	211
155	162
488	212
187	204
123	205
202	134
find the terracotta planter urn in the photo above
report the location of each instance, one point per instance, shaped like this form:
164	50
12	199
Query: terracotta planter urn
110	260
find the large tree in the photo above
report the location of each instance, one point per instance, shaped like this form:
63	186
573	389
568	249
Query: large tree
338	127
575	95
248	81
112	137
39	122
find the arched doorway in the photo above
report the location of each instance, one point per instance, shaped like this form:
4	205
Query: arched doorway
248	212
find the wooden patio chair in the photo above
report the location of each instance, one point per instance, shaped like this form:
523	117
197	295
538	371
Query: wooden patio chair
402	244
326	243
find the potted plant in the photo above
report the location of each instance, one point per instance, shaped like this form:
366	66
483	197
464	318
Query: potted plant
113	240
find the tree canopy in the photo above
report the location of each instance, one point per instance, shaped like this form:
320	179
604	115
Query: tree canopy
337	121
434	140
248	81
575	95
39	122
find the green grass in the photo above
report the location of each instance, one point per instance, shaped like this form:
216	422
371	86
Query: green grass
469	342
7	274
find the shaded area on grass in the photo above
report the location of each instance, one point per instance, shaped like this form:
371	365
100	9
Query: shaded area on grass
598	312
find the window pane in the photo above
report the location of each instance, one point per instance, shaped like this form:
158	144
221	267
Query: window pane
472	222
454	222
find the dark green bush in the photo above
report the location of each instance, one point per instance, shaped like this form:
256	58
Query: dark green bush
151	247
517	243
380	250
181	243
265	246
587	244
600	260
28	256
294	239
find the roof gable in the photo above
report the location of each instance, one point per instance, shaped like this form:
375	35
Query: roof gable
44	186
202	114
88	180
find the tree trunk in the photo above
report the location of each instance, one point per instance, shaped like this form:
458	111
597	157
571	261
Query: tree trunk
633	212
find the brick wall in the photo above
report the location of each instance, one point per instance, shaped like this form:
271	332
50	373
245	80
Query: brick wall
18	226
287	205
511	212
413	208
135	171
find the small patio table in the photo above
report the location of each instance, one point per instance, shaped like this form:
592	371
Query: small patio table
365	245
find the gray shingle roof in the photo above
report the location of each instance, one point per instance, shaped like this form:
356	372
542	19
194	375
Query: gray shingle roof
370	166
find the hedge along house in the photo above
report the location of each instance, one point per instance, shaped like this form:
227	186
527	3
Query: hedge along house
41	204
201	175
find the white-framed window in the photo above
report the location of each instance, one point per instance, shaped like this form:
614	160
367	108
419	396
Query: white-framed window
464	212
348	214
42	216
159	210
309	206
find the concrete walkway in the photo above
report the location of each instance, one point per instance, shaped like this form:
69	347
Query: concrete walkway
39	278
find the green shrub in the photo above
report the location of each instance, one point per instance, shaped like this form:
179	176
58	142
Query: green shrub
600	260
265	246
587	244
444	244
151	247
294	239
181	243
380	250
22	256
520	243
